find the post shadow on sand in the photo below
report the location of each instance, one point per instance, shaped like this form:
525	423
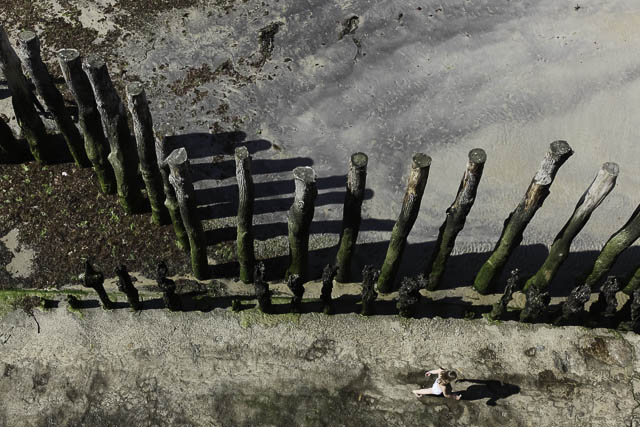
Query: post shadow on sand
223	169
267	189
82	304
488	389
271	230
265	206
201	144
201	301
4	92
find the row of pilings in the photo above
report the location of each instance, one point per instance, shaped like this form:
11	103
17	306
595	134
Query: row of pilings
101	139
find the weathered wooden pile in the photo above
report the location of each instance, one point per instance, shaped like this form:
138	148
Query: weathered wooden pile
101	138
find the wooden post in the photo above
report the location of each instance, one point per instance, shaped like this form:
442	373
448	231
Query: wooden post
499	308
601	186
29	46
328	275
410	208
573	307
517	221
170	201
22	98
125	284
296	286
143	130
617	243
123	157
168	287
95	280
456	217
244	240
351	215
261	286
299	219
409	296
635	311
95	143
633	284
369	294
180	179
536	304
604	309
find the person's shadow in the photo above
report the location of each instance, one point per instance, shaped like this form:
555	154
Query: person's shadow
492	389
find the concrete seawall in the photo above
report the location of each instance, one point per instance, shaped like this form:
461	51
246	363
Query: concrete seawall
220	368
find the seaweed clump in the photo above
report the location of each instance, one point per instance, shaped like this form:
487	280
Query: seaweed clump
369	295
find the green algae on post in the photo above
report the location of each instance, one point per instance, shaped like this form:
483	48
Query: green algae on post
351	215
517	221
22	99
600	187
617	243
180	179
29	45
408	214
299	218
456	217
171	203
244	239
95	143
123	156
143	130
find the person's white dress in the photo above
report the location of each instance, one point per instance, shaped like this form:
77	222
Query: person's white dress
435	388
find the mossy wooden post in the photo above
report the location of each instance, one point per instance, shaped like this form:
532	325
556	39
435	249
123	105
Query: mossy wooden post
368	294
456	217
299	219
123	156
517	221
328	274
244	240
95	280
617	243
601	186
125	285
143	130
261	286
410	207
95	143
170	202
29	46
22	98
351	215
180	179
168	287
633	283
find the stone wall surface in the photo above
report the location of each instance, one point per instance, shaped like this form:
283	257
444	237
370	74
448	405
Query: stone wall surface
220	368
